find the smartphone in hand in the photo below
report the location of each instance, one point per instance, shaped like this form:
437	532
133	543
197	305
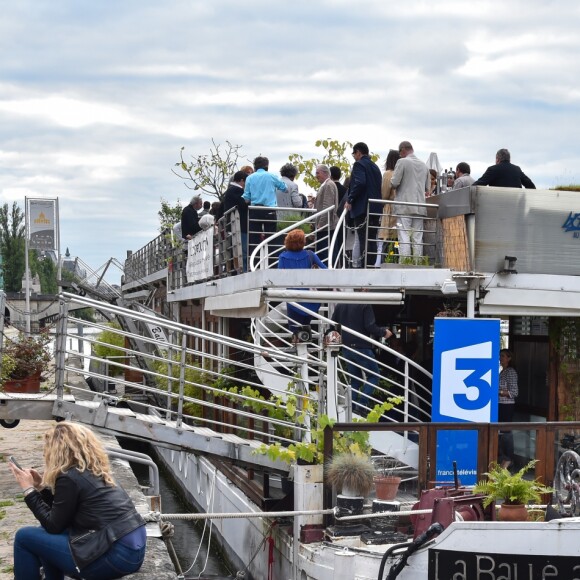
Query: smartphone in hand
13	460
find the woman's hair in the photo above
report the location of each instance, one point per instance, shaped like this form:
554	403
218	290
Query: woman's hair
294	241
509	354
392	158
288	170
247	169
69	445
206	221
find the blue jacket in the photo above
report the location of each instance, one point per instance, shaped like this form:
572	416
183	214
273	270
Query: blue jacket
365	184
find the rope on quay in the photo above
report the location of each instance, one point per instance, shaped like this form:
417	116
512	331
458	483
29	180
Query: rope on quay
157	516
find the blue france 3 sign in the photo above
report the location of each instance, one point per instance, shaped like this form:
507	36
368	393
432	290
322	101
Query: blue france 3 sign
465	389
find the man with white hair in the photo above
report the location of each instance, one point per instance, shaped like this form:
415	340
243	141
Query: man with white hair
327	196
411	179
190	218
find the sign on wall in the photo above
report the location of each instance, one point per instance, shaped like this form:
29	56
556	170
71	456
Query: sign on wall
465	389
41	220
200	256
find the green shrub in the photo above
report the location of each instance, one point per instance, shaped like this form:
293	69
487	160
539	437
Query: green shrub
111	341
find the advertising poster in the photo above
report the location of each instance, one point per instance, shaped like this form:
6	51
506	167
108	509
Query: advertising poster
41	222
200	256
465	389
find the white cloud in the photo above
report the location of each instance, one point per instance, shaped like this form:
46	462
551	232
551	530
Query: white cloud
95	104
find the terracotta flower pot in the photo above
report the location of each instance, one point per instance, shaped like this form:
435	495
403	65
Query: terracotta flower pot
29	384
513	513
386	486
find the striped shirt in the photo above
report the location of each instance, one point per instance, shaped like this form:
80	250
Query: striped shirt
508	381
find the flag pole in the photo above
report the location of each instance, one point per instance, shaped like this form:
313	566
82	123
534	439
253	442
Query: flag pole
26	269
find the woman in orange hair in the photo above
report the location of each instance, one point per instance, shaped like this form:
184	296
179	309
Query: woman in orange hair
293	258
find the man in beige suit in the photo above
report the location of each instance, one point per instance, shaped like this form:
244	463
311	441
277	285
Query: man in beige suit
411	180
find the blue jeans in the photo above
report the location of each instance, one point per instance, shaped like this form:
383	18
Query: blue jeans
362	368
35	547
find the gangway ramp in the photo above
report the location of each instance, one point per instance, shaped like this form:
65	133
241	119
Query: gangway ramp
167	433
198	391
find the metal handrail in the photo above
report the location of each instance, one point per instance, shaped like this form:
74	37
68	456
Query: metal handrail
208	395
408	381
264	243
136	457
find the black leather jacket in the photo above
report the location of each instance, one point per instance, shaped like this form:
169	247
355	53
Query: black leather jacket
95	514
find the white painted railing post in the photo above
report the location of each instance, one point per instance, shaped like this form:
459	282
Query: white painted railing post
181	380
60	349
302	387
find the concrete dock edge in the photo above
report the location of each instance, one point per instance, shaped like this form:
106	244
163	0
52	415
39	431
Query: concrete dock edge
26	442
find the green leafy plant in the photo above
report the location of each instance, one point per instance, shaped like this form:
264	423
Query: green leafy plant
107	347
352	442
194	376
391	253
292	218
513	489
414	260
26	356
334	153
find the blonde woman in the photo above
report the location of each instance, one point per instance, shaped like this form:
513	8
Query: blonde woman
387	234
89	525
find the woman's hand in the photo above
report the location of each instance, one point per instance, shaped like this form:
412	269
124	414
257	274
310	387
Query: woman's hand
24	477
37	479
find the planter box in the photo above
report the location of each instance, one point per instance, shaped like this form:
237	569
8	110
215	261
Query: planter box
27	385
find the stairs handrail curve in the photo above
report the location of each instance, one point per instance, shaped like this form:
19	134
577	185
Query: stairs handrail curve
337	229
309	219
372	341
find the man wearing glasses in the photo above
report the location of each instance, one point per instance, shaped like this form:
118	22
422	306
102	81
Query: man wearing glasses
365	185
412	180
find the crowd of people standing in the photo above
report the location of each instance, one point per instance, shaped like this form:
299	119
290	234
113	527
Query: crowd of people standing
384	210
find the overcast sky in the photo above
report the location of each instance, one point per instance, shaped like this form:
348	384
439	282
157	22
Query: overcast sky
97	98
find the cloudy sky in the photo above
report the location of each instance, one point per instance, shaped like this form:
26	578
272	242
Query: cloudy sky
97	98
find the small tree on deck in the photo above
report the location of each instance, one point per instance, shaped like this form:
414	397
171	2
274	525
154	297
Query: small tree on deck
210	173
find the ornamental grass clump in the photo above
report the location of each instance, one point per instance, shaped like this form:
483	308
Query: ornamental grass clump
355	473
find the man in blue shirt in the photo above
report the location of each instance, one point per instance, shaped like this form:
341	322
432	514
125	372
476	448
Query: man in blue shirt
260	193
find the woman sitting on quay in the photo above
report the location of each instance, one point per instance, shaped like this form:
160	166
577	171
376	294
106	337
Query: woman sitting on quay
90	528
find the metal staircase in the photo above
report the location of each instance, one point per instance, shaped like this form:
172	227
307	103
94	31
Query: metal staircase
403	378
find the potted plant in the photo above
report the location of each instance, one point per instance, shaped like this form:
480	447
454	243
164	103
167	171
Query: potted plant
351	474
23	362
386	481
514	490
